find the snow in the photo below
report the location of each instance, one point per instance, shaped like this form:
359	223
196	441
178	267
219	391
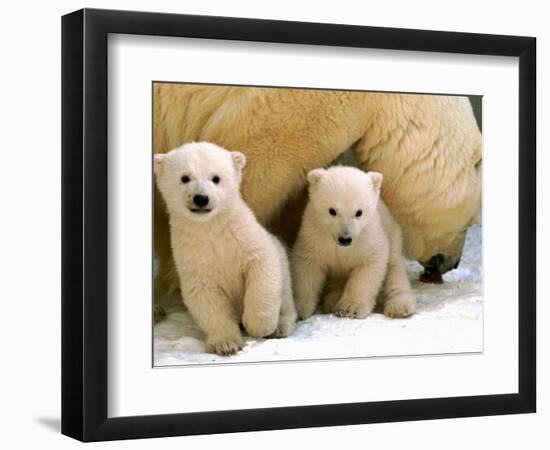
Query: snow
449	319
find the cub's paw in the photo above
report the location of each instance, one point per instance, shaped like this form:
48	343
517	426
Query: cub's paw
259	327
305	311
353	310
403	306
284	328
224	345
330	301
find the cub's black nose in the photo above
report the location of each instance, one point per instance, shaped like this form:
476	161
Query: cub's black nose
200	200
345	241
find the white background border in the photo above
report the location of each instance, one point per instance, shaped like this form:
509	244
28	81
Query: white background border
135	389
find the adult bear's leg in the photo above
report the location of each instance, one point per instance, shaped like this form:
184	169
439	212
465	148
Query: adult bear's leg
166	280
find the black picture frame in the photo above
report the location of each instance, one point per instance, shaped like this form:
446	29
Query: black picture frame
84	224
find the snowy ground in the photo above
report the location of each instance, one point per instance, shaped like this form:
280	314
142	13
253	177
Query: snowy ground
449	319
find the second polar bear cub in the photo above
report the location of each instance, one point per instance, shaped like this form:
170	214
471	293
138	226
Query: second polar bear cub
231	269
348	248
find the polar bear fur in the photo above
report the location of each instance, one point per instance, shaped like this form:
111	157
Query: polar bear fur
349	248
230	268
427	147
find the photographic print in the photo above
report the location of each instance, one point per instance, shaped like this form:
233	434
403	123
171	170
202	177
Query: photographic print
306	224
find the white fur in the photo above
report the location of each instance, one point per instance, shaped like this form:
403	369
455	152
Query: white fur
349	277
231	270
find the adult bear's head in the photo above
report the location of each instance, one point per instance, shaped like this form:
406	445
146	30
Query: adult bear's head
435	237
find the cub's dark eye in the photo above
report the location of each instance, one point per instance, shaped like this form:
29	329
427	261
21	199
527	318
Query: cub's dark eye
215	179
332	211
359	213
185	179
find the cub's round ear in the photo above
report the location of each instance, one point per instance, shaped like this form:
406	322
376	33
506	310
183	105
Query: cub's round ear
158	163
239	160
314	176
376	180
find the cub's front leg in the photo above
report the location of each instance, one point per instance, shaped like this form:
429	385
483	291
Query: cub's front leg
287	317
216	317
308	279
399	300
263	295
363	285
330	300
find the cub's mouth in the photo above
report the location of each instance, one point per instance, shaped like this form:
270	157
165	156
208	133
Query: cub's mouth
200	210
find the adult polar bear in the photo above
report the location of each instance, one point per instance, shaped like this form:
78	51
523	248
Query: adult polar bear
427	147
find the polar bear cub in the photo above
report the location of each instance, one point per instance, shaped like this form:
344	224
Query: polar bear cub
231	269
348	248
